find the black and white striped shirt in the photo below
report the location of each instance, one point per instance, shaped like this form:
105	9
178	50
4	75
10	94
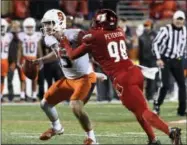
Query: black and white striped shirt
170	42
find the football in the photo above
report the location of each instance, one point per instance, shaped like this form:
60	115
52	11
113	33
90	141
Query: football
30	70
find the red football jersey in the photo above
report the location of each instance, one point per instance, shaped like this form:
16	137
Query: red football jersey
108	48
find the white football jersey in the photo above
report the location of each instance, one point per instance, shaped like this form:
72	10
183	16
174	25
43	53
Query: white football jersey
5	43
78	67
30	43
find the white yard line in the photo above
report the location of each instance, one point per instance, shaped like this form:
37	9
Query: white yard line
20	104
32	133
36	135
123	135
64	104
179	122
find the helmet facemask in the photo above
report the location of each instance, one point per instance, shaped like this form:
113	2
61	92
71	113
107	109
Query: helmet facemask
48	28
29	30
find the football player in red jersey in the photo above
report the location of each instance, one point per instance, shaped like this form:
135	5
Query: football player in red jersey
106	42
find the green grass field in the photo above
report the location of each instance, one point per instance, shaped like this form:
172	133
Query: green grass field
113	124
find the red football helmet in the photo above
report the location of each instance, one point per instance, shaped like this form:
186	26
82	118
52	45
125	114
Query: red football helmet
105	19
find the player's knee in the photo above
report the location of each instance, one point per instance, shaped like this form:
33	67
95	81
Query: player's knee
43	103
148	115
76	106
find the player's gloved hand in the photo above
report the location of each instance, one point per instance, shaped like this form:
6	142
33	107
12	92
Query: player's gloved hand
12	66
62	52
64	43
160	63
38	62
29	61
87	39
101	76
19	65
58	35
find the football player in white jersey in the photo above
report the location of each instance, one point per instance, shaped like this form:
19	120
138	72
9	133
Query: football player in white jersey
6	39
29	48
78	82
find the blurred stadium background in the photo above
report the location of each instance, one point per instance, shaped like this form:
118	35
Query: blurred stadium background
22	122
133	15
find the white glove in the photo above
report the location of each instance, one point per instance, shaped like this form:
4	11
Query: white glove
149	73
101	76
39	62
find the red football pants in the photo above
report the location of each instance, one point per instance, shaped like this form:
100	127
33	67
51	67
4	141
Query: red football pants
129	87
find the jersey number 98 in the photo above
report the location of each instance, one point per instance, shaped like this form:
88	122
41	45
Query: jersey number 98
117	50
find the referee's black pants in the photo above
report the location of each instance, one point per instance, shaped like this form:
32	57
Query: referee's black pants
176	68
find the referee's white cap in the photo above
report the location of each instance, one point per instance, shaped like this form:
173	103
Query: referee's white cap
179	14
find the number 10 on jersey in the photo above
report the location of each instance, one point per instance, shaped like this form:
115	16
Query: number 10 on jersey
30	47
117	50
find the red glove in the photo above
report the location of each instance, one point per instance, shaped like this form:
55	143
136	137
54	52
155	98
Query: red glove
87	39
64	43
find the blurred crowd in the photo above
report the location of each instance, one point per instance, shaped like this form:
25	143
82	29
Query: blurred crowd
138	39
20	9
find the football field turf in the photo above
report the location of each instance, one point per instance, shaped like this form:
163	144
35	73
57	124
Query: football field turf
113	124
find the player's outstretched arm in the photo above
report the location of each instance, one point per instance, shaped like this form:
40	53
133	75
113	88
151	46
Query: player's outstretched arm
74	53
46	59
52	56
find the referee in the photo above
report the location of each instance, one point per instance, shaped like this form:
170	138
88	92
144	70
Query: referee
169	46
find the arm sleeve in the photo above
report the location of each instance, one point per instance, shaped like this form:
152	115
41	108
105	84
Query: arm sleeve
84	48
158	40
50	40
79	38
77	52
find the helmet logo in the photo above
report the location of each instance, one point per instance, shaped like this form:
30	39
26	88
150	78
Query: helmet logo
101	17
60	16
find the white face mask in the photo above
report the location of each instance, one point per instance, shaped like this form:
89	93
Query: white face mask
29	30
47	28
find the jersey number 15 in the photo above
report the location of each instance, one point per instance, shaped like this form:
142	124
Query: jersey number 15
117	50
